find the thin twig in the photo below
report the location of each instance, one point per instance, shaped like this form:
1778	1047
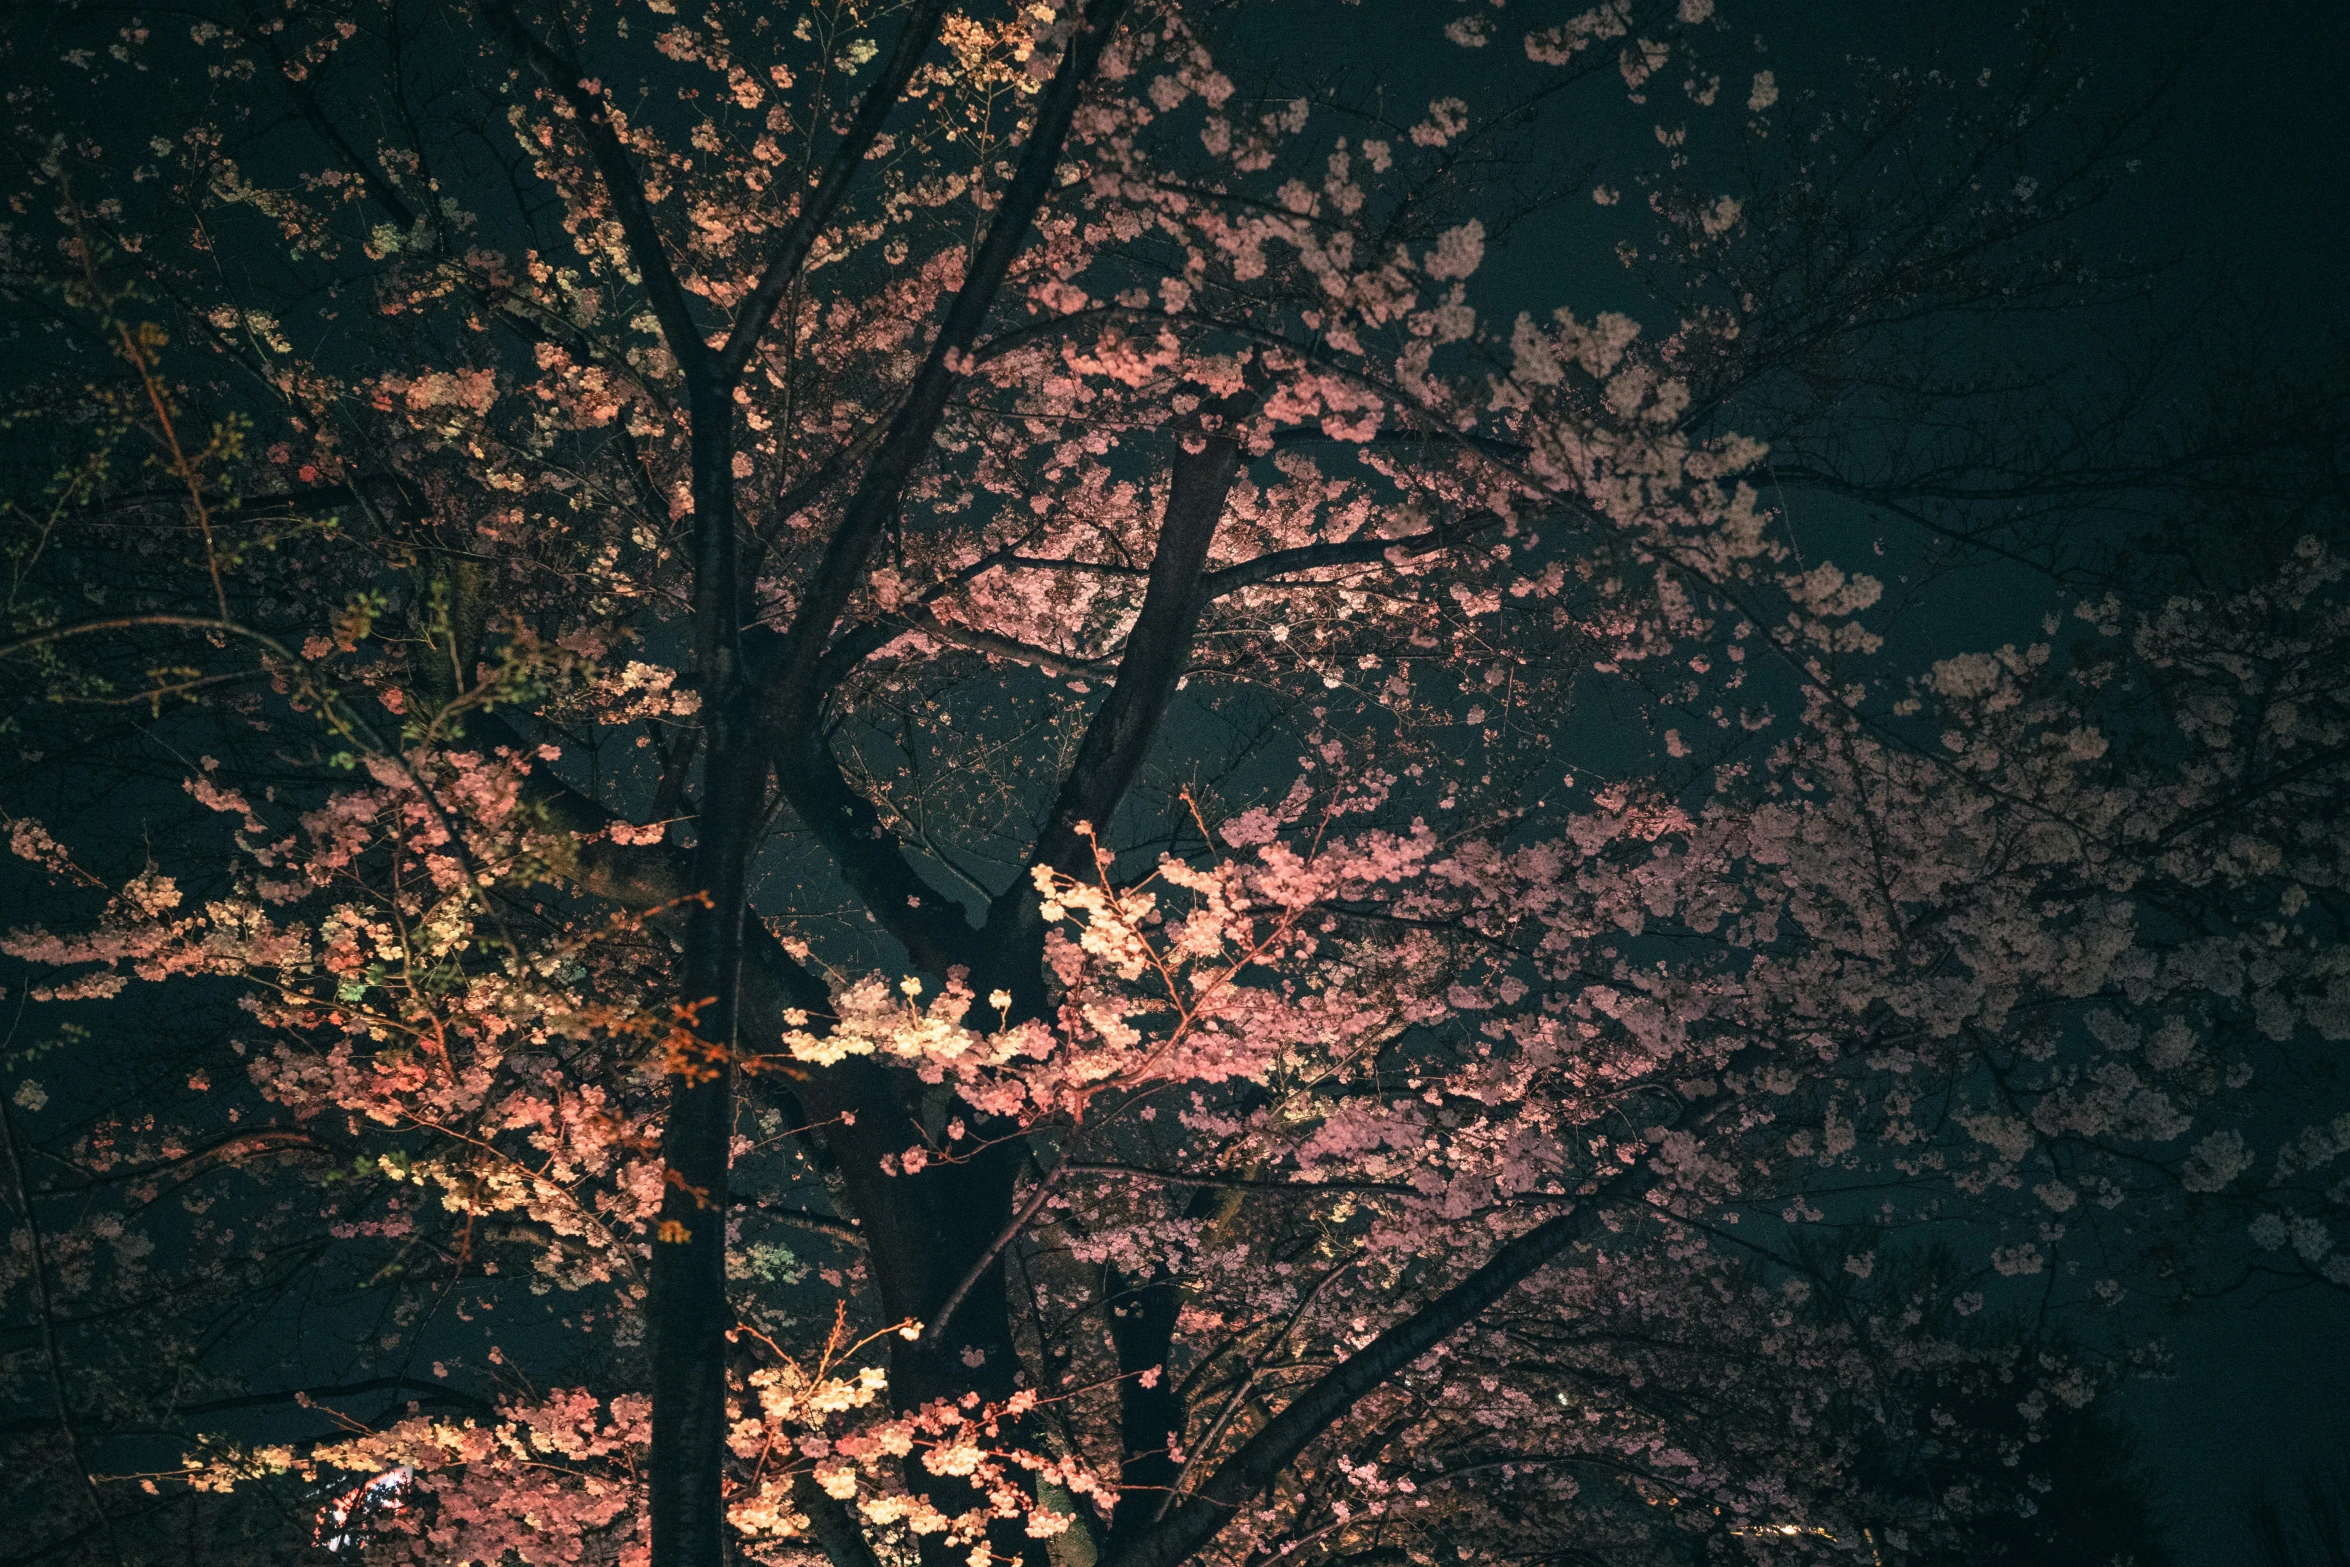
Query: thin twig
1238	1182
41	1305
987	1259
132	351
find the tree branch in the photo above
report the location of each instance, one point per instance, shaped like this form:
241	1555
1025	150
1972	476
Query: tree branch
935	1330
1199	1517
1119	737
900	898
236	1145
1237	1182
817	208
990	643
837	1531
1186	1528
1314	557
908	440
566	78
822	1223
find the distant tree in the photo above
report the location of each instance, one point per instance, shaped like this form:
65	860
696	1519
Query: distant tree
2309	1524
2100	1505
2038	1480
830	782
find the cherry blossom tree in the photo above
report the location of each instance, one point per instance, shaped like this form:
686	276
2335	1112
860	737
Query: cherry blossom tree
944	811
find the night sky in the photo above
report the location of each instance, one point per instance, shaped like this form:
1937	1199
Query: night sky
2244	193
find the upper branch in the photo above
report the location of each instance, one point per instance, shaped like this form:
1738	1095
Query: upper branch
1120	735
995	646
567	80
818	207
1345	552
876	497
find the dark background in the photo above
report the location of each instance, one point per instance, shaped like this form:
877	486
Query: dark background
2246	193
2242	196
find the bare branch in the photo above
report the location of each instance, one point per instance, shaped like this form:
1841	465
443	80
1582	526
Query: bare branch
935	1329
899	897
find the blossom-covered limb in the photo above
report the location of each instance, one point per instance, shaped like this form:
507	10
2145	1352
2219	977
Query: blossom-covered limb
841	569
1343	552
818	206
623	185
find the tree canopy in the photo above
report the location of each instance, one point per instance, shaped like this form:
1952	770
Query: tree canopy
887	784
